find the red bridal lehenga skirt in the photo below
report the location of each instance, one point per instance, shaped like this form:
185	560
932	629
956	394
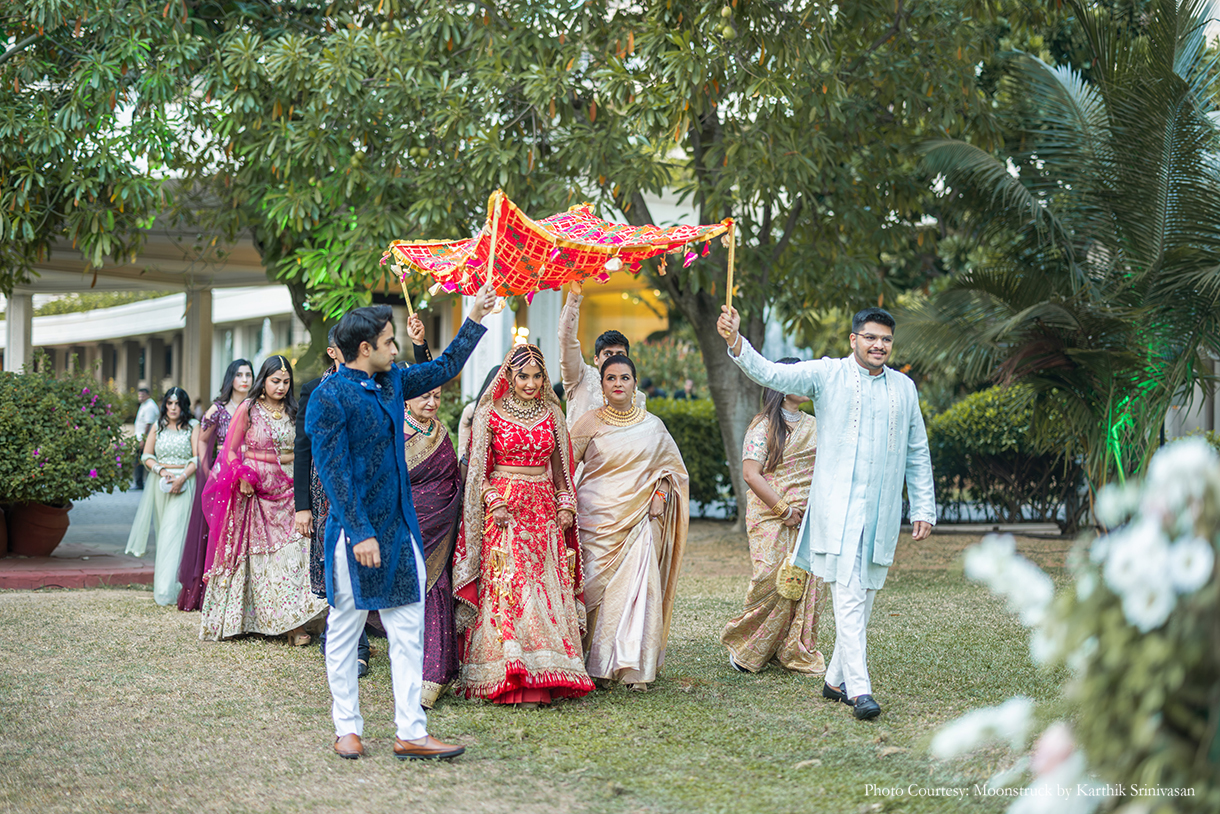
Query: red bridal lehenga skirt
524	646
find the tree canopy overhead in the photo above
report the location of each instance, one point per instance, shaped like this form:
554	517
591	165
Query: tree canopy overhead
366	123
88	96
328	130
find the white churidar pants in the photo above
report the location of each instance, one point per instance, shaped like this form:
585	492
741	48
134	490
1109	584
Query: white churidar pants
404	628
853	605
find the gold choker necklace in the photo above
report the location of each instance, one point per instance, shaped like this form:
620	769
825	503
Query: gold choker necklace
521	409
276	414
611	416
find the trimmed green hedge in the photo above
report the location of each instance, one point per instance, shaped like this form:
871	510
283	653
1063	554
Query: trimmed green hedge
695	430
983	454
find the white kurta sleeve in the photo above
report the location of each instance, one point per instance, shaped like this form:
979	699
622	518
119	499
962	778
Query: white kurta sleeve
571	363
920	488
801	378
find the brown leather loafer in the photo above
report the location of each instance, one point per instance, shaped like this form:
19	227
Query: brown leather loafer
430	749
349	746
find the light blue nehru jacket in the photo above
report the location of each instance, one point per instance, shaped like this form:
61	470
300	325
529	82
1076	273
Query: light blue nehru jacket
833	523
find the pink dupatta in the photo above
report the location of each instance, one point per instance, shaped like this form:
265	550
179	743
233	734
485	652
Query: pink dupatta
239	524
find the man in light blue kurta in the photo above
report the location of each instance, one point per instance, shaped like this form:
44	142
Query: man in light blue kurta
871	438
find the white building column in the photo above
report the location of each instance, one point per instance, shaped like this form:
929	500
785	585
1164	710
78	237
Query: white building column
544	328
174	368
91	361
127	370
196	372
154	363
490	351
405	352
19	333
75	360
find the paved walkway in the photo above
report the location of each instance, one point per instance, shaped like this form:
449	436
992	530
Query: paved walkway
91	553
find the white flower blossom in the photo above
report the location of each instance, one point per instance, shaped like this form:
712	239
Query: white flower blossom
987	561
1044	647
1053	747
1099	552
1043	796
1029	591
995	563
1008	722
1115	503
1135	552
1190	564
1078	659
1147	606
1177	474
1086	583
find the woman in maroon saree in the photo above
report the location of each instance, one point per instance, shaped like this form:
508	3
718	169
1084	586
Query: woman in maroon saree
436	486
237	382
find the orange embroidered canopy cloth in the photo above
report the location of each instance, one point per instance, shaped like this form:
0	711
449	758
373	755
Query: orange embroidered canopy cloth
527	255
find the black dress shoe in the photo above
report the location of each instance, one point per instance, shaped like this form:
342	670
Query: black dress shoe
362	668
866	708
835	693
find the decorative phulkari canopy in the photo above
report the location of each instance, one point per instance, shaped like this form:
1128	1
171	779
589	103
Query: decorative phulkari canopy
524	256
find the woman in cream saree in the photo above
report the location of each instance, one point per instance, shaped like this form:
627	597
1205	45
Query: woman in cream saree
634	509
777	462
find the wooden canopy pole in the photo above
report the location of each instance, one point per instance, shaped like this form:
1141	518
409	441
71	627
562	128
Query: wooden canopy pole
402	278
728	294
491	252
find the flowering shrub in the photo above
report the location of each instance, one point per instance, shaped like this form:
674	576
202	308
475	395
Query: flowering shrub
59	440
1139	630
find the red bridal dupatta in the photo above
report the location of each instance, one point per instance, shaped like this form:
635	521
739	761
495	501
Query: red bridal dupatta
520	609
258	581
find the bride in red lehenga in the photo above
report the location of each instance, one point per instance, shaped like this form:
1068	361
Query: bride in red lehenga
516	569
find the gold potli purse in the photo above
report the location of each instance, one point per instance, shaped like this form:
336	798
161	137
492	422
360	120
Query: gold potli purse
790	581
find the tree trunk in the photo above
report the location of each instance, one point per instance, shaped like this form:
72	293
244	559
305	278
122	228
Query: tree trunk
735	397
313	322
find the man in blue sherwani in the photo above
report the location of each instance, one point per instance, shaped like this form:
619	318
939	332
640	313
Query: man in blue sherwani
374	553
871	438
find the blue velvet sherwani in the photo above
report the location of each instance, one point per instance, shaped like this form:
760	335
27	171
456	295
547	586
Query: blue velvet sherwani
355	422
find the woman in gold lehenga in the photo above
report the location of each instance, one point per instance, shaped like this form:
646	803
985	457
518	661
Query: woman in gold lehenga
516	567
634	512
777	462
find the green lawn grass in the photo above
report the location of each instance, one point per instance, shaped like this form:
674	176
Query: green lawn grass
109	703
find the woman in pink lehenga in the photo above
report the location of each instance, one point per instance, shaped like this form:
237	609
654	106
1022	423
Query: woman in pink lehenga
258	581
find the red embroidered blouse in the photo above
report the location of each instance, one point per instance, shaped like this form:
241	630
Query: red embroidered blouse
515	445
